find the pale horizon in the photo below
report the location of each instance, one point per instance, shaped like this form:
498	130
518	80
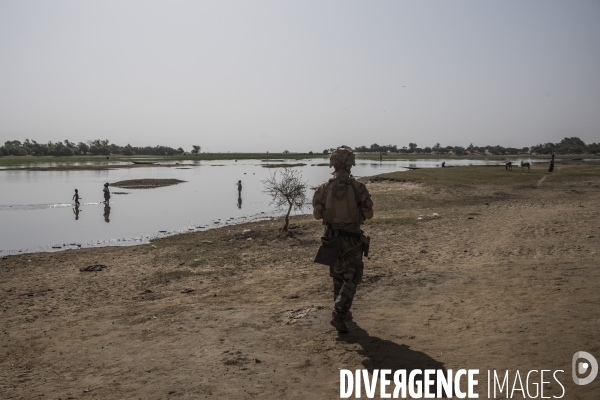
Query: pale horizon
271	76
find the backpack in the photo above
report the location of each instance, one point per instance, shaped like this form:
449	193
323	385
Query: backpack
342	204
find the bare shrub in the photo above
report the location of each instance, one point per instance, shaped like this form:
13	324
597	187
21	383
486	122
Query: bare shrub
288	192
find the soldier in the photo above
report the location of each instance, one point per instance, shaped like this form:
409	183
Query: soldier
343	204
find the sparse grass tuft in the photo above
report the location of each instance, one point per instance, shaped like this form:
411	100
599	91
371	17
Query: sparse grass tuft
497	175
167	276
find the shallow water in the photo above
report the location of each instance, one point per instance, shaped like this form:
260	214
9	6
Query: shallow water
37	213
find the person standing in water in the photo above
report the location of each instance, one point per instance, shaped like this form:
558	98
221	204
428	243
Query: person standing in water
106	193
76	197
239	185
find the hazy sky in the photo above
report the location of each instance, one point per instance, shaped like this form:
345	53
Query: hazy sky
300	75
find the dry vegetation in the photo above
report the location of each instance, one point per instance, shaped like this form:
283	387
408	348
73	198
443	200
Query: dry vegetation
98	166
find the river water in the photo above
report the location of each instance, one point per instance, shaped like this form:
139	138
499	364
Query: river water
37	213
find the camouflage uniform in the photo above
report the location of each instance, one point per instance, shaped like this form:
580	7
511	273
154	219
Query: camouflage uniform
355	205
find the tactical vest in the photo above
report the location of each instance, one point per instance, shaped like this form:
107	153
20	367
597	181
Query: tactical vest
342	205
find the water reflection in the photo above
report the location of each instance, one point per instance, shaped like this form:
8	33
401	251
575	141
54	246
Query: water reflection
76	211
33	203
106	212
29	207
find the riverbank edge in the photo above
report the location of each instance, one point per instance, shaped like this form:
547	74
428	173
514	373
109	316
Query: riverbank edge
414	176
14	161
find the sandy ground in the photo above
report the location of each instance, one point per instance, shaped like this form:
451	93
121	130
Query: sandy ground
506	278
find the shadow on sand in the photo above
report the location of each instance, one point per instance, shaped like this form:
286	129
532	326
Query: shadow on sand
384	354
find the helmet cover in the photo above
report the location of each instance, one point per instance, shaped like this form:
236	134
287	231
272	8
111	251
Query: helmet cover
341	157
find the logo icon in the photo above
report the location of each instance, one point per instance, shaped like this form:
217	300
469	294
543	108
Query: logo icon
583	366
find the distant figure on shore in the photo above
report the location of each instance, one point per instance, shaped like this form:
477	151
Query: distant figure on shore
443	164
508	166
551	166
76	197
106	193
239	203
239	185
76	211
525	164
106	212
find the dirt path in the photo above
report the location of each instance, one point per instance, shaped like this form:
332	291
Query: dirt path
542	179
505	278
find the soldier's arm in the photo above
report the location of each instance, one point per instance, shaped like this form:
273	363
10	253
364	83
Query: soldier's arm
366	204
318	206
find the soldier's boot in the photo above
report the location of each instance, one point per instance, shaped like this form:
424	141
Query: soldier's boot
337	321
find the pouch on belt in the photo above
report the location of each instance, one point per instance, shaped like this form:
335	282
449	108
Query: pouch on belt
366	240
329	250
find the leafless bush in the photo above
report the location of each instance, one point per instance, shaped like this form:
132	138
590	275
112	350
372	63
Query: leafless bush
287	192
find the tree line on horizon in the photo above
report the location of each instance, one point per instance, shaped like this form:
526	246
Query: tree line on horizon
572	145
93	147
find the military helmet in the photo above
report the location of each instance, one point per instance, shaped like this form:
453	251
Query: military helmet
341	157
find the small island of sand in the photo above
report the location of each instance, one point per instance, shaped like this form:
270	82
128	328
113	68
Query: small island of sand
146	183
